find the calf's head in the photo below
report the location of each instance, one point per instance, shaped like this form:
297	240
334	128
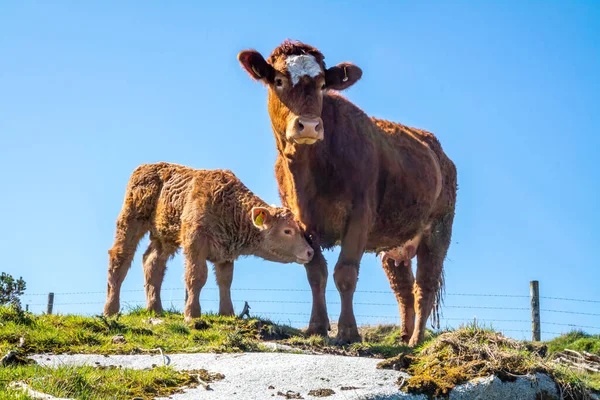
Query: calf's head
282	239
297	79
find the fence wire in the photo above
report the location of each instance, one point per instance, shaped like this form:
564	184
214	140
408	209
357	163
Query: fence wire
375	316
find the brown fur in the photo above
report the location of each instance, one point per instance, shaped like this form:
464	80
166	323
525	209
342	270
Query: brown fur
367	185
207	212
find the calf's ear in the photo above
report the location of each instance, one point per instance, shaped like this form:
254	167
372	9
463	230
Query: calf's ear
261	217
342	76
254	63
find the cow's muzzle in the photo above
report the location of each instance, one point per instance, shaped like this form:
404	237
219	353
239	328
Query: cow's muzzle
305	130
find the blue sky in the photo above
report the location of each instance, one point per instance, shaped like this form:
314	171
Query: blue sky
88	91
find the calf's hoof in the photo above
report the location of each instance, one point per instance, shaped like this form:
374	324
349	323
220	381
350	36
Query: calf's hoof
157	309
414	341
404	338
111	309
188	317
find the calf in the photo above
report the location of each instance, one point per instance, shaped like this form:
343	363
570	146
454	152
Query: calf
213	216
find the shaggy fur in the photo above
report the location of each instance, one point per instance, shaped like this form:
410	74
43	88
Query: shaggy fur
212	215
365	184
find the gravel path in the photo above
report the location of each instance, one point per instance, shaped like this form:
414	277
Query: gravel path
273	375
250	375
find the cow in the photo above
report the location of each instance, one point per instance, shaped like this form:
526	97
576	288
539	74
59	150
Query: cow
364	183
213	216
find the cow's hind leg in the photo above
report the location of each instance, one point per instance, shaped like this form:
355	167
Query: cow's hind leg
429	284
155	264
129	233
401	280
224	273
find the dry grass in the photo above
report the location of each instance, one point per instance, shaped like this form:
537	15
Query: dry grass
455	357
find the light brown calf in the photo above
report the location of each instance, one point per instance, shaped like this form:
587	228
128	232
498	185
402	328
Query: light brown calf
213	216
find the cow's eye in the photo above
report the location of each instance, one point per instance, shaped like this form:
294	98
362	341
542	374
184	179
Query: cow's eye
278	82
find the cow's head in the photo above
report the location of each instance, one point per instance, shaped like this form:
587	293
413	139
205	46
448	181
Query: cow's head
297	79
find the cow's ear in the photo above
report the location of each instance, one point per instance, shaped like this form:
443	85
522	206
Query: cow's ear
254	63
342	76
261	217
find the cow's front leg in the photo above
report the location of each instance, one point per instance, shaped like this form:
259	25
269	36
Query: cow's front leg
316	272
345	273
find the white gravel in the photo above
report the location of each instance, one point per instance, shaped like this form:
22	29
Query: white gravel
249	375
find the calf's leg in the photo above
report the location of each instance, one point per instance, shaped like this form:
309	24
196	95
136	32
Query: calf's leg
128	235
155	264
224	273
196	273
429	283
401	280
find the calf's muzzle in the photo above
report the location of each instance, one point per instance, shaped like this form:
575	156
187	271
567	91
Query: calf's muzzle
306	257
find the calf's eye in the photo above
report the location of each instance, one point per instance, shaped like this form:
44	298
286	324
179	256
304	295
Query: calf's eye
288	232
278	82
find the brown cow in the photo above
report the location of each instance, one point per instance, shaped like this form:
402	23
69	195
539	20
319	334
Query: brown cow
213	216
365	183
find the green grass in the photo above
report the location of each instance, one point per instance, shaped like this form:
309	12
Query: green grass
77	334
576	340
96	383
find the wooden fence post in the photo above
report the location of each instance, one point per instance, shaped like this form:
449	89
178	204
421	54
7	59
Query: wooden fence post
534	293
50	303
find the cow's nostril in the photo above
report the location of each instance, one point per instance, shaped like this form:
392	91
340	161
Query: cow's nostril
310	253
300	126
318	128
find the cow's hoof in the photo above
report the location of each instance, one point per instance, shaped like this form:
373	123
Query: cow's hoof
317	329
347	336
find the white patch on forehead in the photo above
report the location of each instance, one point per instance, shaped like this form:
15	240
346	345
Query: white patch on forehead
300	65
